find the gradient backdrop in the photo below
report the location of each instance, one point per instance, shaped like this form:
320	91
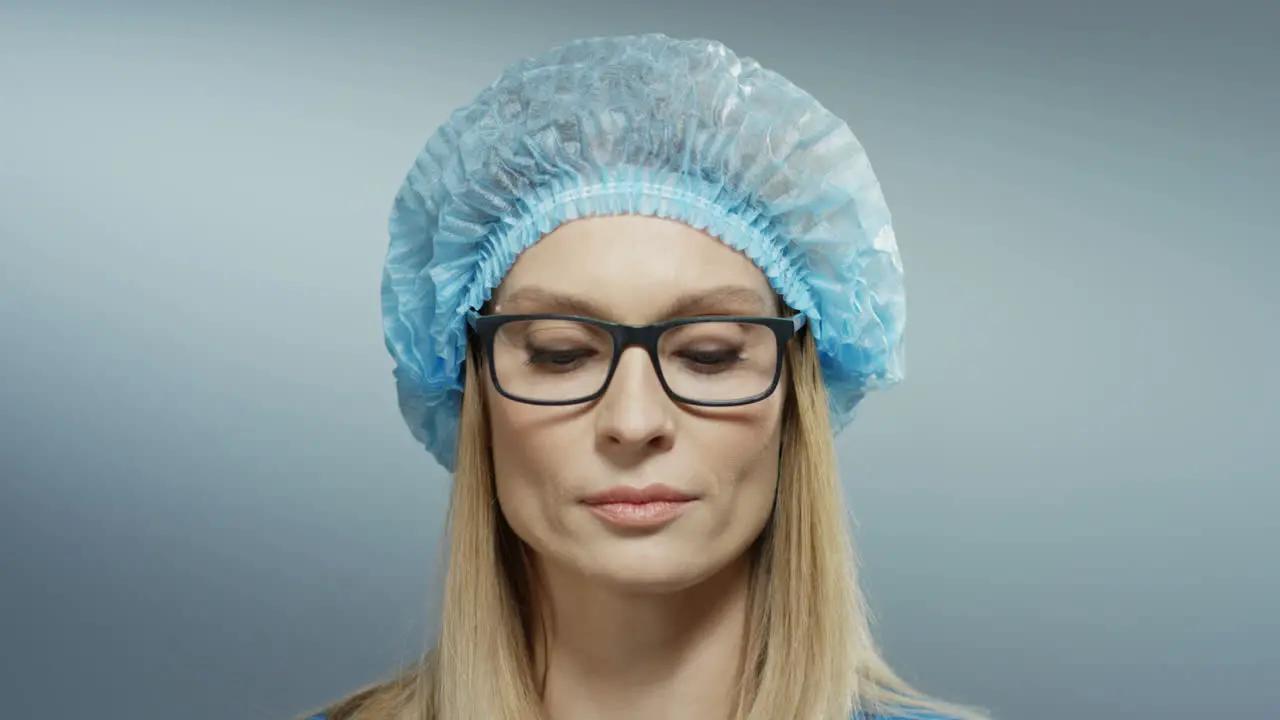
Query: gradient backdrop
210	508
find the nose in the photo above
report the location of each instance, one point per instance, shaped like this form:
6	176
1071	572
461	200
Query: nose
635	418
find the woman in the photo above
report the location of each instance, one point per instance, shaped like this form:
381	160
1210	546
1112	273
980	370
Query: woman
632	292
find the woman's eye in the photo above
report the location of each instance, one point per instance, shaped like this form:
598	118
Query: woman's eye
710	359
558	358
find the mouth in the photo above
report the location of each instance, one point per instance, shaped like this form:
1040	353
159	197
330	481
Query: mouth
624	494
639	508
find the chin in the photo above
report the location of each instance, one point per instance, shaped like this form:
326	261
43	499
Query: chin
650	566
655	581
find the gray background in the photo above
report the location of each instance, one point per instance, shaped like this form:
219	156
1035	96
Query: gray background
210	507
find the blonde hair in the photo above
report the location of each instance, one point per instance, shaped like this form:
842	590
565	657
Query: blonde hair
809	651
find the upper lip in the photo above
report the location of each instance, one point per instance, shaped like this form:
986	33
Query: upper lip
638	496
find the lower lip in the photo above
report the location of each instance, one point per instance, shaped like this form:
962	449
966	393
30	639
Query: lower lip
640	515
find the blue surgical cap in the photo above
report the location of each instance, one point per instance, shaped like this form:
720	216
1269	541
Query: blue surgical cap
646	125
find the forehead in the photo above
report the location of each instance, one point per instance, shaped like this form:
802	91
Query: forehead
635	269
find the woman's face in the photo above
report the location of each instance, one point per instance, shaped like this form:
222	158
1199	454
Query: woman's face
553	463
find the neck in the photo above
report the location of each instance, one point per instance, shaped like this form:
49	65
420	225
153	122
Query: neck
624	655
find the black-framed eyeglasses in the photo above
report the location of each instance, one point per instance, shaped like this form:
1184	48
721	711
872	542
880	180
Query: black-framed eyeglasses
551	359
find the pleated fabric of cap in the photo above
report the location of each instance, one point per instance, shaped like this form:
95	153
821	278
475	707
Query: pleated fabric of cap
648	125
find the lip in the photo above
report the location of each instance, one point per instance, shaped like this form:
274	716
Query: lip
639	508
638	496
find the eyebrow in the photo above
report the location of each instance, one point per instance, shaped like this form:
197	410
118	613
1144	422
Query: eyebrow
723	300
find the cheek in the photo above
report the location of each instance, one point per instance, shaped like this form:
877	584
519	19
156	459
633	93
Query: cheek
754	461
528	452
528	439
742	452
